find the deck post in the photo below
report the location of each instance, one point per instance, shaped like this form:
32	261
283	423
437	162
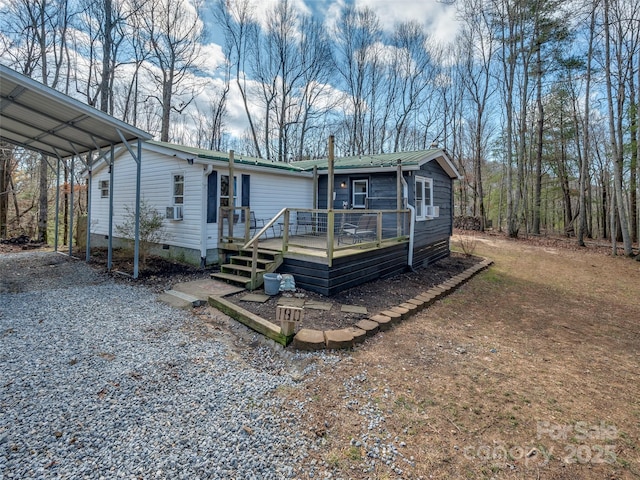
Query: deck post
254	265
285	231
232	195
330	198
330	235
314	205
399	199
246	212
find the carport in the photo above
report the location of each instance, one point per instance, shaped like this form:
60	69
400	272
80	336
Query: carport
39	118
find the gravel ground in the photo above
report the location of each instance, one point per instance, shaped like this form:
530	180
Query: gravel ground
98	380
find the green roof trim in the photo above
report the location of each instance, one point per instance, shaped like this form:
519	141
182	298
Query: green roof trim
383	160
224	157
359	162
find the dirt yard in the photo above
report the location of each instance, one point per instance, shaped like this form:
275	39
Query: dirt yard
530	370
374	296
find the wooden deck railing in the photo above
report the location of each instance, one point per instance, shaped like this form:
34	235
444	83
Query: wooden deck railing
313	230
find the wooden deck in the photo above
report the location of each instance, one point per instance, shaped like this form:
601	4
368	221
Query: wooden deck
355	256
314	249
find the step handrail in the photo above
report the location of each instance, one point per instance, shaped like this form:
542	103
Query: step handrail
254	244
265	228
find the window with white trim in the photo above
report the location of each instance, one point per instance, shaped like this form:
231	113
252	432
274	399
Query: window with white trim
359	193
178	189
424	198
104	188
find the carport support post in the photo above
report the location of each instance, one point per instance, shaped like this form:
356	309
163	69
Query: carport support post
88	252
110	239
73	163
55	240
136	248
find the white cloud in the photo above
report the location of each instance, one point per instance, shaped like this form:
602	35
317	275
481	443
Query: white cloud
262	7
438	17
212	57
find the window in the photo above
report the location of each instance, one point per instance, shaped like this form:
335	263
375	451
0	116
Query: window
178	189
224	191
104	188
359	193
424	198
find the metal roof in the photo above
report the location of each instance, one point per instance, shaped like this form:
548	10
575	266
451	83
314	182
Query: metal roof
40	118
386	161
361	163
224	157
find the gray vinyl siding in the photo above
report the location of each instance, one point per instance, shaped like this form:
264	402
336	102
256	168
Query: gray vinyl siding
430	231
382	190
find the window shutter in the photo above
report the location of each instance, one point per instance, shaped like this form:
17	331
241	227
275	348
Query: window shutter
212	197
246	190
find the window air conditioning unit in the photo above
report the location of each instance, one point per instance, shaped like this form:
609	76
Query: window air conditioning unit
174	213
433	212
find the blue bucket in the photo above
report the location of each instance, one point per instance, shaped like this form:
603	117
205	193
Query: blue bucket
271	283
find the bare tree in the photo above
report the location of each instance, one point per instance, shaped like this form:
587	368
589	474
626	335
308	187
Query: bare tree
615	26
413	72
317	65
6	151
173	31
477	43
39	38
240	29
356	37
584	166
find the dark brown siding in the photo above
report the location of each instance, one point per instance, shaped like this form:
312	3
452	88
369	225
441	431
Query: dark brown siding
347	272
428	254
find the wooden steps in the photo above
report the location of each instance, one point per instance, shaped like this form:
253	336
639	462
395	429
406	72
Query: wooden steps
238	270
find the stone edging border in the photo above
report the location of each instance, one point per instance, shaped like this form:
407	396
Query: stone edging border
308	339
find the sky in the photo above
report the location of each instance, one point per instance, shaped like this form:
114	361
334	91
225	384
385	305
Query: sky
438	17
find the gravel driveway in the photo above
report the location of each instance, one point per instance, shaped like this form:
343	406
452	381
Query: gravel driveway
98	380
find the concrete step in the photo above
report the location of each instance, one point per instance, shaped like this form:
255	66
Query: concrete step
179	299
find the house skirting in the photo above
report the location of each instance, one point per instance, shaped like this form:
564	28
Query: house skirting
428	254
190	256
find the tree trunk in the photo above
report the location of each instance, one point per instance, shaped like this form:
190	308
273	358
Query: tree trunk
5	171
584	164
616	136
107	41
43	211
537	188
167	90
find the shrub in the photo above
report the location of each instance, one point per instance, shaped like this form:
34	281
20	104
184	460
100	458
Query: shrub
468	244
151	228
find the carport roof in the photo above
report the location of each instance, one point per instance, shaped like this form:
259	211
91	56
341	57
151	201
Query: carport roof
40	118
